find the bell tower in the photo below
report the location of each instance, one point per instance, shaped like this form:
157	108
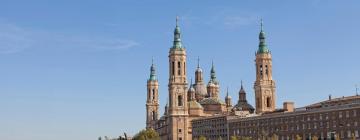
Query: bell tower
264	85
178	107
152	101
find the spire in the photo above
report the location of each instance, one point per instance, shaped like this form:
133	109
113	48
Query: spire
198	62
242	88
191	84
191	92
227	93
242	93
213	75
177	36
262	45
166	107
177	20
261	24
198	73
152	71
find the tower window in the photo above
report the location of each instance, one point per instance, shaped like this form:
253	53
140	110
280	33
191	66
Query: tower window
153	93
266	70
173	68
180	100
268	101
261	70
179	68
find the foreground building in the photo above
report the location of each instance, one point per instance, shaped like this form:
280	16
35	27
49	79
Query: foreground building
195	110
326	120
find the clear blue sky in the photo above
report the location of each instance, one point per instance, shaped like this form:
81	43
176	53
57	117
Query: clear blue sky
78	69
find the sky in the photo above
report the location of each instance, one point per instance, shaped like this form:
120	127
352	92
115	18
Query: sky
77	69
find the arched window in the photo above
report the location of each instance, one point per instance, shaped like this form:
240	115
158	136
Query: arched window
180	100
266	70
179	68
261	70
149	94
173	68
268	102
153	94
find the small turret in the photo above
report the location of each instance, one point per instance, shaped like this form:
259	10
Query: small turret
199	86
198	73
242	104
242	93
191	92
228	100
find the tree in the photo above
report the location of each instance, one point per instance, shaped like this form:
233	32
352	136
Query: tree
148	134
298	137
353	136
233	138
274	137
202	138
246	138
337	137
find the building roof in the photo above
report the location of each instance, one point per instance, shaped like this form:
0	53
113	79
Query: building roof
243	106
211	100
194	105
335	101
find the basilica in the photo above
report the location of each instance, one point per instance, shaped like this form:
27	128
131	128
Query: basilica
191	101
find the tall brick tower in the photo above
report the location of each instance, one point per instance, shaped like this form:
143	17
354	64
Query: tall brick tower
264	85
178	107
152	101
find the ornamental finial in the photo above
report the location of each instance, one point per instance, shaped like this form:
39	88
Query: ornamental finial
241	85
261	24
198	62
152	60
177	20
227	91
